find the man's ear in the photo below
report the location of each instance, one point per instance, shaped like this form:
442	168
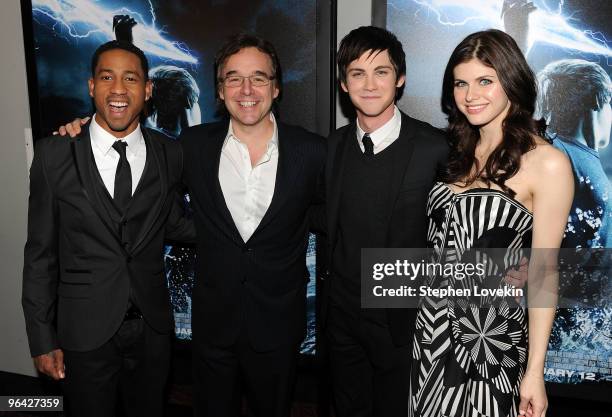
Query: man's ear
148	90
90	83
343	86
400	81
220	91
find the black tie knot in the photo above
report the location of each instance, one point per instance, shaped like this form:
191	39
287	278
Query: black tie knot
368	145
120	146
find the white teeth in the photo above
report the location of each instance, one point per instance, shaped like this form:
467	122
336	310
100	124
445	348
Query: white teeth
247	103
118	104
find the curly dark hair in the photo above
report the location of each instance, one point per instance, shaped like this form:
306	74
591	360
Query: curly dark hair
499	51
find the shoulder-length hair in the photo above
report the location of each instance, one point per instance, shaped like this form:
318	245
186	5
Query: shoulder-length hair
499	51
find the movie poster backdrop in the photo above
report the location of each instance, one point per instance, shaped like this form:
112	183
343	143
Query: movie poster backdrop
567	44
180	39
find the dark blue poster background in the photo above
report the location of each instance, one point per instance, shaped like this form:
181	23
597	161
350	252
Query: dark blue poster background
548	31
180	39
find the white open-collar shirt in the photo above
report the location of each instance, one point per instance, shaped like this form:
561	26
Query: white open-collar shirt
247	189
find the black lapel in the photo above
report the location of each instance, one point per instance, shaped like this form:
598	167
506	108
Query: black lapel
210	158
156	158
401	159
85	166
336	172
289	165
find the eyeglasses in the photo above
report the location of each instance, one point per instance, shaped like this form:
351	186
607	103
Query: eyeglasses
257	80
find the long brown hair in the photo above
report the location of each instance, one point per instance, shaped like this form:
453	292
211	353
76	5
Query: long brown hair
499	51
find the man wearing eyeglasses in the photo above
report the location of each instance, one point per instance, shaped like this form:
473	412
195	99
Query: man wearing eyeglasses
254	184
252	181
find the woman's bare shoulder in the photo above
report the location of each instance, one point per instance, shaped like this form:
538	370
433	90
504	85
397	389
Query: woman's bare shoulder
547	160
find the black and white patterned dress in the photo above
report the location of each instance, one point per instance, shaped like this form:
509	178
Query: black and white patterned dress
468	359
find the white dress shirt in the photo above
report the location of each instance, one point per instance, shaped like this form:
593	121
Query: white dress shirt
247	189
384	135
107	158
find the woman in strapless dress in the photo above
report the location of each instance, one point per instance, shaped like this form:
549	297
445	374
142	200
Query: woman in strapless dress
504	187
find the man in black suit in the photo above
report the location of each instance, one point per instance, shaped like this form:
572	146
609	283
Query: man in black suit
379	171
254	183
252	180
101	204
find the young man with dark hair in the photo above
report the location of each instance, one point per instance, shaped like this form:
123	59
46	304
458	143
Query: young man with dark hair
96	306
379	171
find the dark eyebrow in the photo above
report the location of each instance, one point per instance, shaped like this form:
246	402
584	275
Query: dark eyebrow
482	77
383	67
234	72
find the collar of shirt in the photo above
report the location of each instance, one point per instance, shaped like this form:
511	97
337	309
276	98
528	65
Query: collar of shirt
272	143
384	135
575	143
104	140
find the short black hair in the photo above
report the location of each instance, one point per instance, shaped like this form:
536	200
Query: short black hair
126	46
374	39
240	41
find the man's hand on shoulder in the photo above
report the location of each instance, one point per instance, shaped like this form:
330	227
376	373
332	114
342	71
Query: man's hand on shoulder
73	128
51	364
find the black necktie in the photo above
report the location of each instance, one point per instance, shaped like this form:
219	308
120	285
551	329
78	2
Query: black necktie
123	177
368	145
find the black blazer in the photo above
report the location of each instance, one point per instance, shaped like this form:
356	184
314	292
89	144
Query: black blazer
259	286
422	152
79	267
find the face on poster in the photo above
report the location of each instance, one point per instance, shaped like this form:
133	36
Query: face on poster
180	39
568	46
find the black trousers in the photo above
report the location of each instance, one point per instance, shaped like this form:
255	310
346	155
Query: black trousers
130	371
223	374
370	375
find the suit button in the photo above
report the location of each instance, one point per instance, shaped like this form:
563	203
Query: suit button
325	275
128	259
124	223
244	280
246	249
125	244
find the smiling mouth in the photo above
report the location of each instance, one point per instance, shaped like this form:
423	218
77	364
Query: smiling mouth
117	106
475	109
247	104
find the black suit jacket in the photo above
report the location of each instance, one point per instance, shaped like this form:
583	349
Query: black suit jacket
80	266
421	152
257	286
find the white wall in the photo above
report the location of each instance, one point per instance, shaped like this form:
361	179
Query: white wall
351	15
14	119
